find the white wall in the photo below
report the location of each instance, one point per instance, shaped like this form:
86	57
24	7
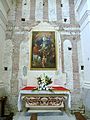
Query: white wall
65	11
52	10
26	9
4	8
2	41
88	4
85	37
82	8
81	72
7	62
39	10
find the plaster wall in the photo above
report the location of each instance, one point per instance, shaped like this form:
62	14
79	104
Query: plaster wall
65	12
18	39
83	11
3	22
86	55
84	21
2	41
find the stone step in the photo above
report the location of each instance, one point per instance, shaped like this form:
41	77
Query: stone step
82	111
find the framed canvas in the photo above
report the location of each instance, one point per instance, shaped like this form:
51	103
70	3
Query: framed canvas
43	51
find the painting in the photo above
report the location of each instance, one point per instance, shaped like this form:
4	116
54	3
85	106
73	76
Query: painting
43	51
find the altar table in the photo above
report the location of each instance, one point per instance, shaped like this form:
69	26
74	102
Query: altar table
44	98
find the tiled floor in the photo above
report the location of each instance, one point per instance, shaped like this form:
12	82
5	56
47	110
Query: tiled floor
45	116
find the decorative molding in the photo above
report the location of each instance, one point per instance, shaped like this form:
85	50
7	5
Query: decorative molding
84	17
69	33
86	85
79	4
3	18
3	26
71	28
45	101
6	5
1	84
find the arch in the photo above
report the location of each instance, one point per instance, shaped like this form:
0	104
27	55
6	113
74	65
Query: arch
23	63
68	68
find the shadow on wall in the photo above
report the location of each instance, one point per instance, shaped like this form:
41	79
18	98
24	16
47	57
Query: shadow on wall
3	100
2	92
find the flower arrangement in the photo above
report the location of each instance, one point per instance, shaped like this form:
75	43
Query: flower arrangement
43	82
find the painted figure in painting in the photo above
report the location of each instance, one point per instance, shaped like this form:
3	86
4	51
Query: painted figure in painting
36	57
44	59
52	54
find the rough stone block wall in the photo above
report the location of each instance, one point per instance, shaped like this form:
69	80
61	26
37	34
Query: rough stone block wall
19	28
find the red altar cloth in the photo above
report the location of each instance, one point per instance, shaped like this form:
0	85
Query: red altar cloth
29	88
58	88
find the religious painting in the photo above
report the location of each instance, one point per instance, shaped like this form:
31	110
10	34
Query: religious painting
43	51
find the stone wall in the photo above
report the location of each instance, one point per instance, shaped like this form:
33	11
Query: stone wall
22	21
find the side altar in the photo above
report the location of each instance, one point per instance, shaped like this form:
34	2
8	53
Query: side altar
59	98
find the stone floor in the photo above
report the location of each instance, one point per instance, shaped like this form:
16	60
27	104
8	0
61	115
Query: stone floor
45	116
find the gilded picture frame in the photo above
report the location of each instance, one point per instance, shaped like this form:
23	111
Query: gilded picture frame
43	51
